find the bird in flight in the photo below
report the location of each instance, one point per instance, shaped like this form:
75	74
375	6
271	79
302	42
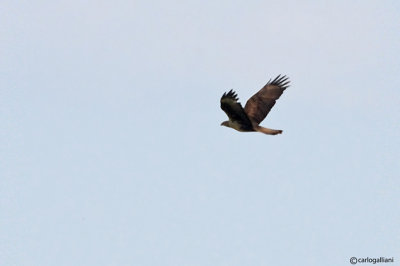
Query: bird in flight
256	108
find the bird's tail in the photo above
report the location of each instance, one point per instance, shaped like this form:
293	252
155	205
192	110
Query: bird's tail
268	131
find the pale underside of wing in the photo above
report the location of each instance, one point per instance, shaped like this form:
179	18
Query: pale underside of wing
259	105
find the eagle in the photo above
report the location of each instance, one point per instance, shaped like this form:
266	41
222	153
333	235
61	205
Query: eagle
256	108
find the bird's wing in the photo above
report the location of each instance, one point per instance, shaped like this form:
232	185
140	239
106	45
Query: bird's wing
259	105
233	109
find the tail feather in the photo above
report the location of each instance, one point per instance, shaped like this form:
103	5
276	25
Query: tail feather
268	131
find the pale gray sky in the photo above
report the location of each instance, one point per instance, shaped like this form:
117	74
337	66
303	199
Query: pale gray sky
112	151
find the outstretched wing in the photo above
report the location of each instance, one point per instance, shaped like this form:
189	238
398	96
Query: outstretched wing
259	105
234	110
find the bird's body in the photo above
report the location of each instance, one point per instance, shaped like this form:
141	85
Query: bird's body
256	108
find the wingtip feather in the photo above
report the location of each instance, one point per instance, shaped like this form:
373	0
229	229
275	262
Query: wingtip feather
281	81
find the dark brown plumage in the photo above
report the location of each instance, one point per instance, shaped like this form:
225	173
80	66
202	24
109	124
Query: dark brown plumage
256	108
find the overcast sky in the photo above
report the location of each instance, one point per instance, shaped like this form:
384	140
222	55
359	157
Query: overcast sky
112	153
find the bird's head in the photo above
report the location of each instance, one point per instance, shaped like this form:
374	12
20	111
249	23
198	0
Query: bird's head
225	123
